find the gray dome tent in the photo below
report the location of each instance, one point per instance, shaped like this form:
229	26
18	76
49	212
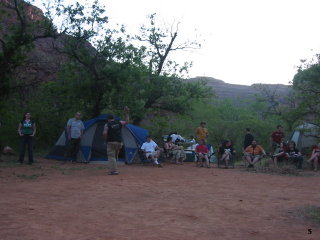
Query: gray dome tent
305	136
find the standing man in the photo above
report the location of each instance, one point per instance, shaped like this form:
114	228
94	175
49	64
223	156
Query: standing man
202	132
112	135
276	138
248	138
75	130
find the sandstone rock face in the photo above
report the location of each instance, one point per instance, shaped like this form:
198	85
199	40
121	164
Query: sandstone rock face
43	61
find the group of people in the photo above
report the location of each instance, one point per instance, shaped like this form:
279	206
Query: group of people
281	151
252	152
172	150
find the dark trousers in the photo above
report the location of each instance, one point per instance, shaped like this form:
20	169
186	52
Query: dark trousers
73	148
24	141
297	160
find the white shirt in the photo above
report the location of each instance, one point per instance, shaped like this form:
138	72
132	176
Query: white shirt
176	136
149	146
76	127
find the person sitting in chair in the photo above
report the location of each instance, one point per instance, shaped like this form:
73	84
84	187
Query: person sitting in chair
295	155
176	138
253	153
315	156
151	150
280	154
176	151
226	151
202	152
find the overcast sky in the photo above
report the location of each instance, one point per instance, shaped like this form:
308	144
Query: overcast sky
244	42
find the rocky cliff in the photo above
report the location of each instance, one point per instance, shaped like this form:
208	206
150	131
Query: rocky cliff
43	61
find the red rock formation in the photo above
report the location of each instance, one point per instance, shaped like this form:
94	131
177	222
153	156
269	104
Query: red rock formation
43	61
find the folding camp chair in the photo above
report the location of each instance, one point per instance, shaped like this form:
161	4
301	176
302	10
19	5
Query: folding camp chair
210	155
245	163
144	159
223	163
168	155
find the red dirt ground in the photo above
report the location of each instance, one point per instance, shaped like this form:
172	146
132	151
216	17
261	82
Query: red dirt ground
50	201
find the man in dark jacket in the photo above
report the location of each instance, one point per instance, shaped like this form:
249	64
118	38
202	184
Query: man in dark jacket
112	135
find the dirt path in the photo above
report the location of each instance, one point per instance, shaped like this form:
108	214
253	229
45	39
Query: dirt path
50	201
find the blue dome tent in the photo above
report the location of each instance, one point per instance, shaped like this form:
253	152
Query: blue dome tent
93	147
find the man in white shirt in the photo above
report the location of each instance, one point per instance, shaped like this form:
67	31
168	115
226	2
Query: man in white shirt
151	150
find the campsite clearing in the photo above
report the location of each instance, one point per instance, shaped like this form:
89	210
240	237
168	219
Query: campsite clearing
51	201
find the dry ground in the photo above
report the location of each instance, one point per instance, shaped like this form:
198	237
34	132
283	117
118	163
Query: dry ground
51	201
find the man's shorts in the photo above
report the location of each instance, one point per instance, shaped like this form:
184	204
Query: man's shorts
151	154
252	156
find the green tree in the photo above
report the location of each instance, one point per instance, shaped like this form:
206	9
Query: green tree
166	88
21	25
307	84
161	42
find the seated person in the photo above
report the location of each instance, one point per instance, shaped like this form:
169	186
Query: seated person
176	151
280	154
151	150
294	155
226	150
315	156
253	153
202	151
176	137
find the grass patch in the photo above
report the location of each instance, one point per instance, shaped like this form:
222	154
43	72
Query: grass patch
41	152
285	171
9	161
9	164
30	177
309	212
264	162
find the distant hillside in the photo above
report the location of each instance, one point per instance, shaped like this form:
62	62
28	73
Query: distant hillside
44	62
235	91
